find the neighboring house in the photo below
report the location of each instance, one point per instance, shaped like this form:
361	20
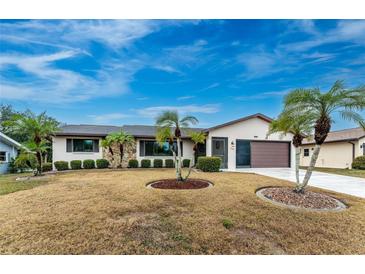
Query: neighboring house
9	149
239	143
338	151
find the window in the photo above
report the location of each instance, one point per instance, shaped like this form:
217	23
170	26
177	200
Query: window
306	152
82	145
153	148
2	156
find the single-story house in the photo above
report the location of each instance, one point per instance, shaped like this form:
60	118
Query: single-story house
9	149
338	151
240	143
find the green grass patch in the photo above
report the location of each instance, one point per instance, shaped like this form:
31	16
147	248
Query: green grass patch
8	184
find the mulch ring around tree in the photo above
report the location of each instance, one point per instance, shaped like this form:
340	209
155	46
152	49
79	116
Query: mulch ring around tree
174	184
310	200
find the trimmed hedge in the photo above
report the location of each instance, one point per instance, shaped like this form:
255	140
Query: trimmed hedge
102	163
169	163
133	163
146	163
157	163
76	164
359	163
209	164
61	165
186	163
46	167
88	164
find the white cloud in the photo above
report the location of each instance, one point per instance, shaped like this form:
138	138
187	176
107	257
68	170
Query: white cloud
154	111
49	84
107	118
166	68
351	31
211	86
185	97
262	96
113	33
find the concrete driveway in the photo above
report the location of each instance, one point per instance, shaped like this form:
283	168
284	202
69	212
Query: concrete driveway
339	183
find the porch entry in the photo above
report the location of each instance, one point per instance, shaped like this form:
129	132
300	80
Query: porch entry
220	149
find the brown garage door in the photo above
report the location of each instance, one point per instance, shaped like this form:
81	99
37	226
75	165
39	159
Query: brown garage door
270	154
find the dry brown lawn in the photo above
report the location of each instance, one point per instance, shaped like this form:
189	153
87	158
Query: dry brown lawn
93	212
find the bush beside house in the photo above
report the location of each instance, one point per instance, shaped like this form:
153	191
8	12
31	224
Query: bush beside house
88	164
169	163
157	163
76	164
146	163
133	163
209	164
61	165
186	163
102	163
359	163
46	167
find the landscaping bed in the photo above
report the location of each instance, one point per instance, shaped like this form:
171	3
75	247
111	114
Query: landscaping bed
307	200
174	184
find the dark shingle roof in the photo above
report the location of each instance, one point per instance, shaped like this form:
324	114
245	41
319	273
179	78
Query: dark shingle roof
101	131
87	130
351	134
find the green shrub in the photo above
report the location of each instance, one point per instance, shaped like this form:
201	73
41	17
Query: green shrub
186	163
75	164
209	164
146	163
359	162
12	168
133	163
157	163
227	223
46	167
88	164
169	163
102	163
61	165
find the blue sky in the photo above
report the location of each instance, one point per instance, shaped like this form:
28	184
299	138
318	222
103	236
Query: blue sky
126	72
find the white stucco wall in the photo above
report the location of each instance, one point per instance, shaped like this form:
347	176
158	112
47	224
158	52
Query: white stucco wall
359	148
332	155
59	150
252	129
188	152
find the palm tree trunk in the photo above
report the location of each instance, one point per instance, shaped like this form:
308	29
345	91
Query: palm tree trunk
179	177
297	160
39	160
121	154
310	168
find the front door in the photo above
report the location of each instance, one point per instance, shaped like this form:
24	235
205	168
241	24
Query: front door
220	149
243	153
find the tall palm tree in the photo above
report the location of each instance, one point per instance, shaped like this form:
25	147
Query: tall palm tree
346	102
197	137
39	129
171	120
300	125
123	139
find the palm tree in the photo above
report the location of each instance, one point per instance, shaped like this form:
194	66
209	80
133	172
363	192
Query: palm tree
300	125
39	129
108	143
197	137
123	139
167	121
346	102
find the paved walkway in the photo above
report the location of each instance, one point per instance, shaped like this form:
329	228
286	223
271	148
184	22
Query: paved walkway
339	183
